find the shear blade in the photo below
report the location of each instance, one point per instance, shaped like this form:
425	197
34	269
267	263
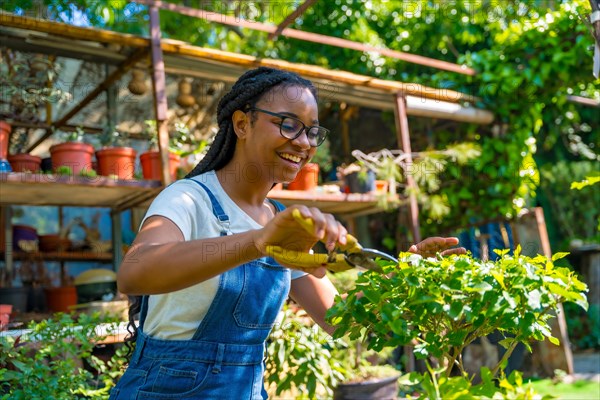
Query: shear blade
366	259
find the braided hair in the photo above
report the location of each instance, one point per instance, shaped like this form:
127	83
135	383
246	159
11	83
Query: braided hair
245	93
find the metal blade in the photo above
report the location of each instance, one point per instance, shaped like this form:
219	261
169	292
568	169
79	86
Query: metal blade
366	259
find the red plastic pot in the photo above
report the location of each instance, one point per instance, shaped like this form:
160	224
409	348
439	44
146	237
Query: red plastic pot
5	129
151	165
77	156
5	311
307	178
24	162
119	161
59	299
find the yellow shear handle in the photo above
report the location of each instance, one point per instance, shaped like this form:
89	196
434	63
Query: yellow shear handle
307	260
351	246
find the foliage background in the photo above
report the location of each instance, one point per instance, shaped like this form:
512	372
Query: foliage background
530	57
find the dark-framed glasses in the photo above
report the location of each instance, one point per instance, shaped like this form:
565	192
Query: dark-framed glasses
290	128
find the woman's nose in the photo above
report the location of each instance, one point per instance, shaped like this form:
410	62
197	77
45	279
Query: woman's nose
302	140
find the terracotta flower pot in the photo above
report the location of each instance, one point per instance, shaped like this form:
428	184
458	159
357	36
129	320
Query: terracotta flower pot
76	155
151	165
5	129
119	161
59	299
5	311
307	178
24	162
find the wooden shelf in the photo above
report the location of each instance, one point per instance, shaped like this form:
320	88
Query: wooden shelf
54	190
63	256
343	204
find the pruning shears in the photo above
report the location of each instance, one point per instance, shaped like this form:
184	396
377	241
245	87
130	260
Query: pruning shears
352	253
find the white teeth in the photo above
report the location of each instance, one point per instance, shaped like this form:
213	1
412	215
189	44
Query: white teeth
291	157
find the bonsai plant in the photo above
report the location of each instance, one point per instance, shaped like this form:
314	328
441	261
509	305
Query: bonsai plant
115	158
445	304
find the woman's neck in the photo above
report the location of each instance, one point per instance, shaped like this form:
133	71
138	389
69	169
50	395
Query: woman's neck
240	188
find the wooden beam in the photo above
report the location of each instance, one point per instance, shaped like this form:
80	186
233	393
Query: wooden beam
403	136
105	85
308	36
160	93
70	31
291	18
315	72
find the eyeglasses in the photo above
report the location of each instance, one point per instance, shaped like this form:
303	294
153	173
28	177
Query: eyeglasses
290	128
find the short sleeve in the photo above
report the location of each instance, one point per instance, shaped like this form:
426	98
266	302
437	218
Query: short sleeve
185	206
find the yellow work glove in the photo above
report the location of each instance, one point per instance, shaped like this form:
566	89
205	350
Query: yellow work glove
308	260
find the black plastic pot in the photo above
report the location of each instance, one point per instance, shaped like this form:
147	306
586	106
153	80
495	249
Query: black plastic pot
361	182
17	296
95	291
375	389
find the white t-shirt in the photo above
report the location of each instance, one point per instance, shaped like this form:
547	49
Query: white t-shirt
177	315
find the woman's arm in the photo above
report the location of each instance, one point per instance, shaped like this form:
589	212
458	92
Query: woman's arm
315	296
160	261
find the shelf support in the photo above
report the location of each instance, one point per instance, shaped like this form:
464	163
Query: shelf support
5	217
116	239
160	92
403	135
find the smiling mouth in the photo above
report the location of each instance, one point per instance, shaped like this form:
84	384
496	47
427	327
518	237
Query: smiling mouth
291	157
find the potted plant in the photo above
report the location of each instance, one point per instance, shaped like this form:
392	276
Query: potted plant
5	129
150	160
21	161
425	168
443	304
299	357
357	177
115	158
306	179
72	153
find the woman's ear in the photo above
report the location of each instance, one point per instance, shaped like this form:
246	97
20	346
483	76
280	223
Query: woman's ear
241	123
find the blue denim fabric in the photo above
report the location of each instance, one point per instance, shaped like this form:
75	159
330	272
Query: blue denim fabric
224	358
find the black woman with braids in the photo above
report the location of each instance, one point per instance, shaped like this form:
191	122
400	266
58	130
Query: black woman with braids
210	293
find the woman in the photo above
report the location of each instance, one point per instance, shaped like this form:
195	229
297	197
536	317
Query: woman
211	294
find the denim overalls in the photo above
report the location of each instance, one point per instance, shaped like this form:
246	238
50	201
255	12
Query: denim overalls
224	359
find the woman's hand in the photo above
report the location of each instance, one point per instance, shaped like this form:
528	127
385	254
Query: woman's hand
288	233
433	245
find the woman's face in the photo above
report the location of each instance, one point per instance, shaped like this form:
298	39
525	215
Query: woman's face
282	158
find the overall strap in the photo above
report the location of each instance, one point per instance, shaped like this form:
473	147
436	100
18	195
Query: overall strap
278	206
216	208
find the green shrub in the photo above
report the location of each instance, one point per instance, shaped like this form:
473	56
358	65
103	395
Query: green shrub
46	362
445	304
